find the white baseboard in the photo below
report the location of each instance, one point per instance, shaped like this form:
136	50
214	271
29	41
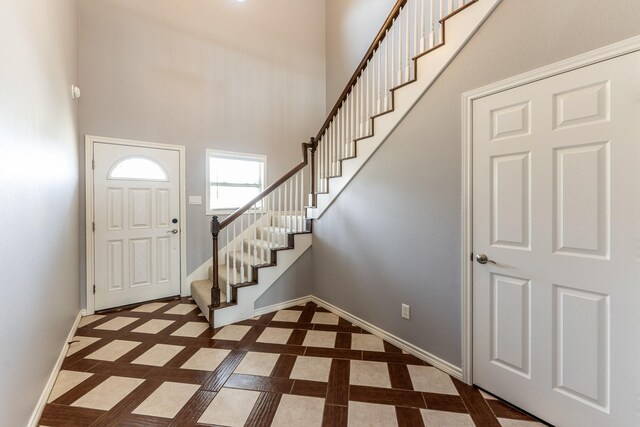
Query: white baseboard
42	402
435	361
282	305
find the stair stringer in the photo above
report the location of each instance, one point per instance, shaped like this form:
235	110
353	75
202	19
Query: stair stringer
459	28
267	276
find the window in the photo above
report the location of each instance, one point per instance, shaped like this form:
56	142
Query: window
136	168
233	179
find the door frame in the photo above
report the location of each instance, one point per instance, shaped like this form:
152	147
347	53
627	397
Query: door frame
90	141
583	60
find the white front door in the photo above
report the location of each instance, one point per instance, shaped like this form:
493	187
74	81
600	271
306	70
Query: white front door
556	189
137	224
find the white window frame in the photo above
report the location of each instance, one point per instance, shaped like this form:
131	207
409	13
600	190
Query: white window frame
229	154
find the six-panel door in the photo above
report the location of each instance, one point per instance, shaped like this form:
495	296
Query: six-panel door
555	205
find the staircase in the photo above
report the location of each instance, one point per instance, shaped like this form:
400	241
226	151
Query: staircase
262	239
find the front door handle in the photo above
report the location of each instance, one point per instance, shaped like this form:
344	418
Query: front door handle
174	231
483	259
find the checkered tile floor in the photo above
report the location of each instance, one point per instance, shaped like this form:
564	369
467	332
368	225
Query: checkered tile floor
161	365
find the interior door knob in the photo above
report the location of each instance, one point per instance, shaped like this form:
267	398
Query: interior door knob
174	231
483	259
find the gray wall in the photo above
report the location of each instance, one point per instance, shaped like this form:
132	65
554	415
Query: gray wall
393	236
296	282
351	26
246	77
38	197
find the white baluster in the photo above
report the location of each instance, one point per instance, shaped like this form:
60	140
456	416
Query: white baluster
235	277
278	215
365	101
291	191
339	129
400	33
349	123
266	236
432	23
226	261
367	97
415	39
356	124
255	235
295	205
241	248
407	51
334	143
286	201
329	148
326	161
263	240
343	146
392	57
302	199
423	32
386	71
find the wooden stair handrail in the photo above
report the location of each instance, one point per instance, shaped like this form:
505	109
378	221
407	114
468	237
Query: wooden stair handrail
388	23
311	145
305	160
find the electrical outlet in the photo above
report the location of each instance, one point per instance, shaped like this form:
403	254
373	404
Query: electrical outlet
406	311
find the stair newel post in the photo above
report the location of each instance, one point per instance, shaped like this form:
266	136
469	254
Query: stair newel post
215	289
313	144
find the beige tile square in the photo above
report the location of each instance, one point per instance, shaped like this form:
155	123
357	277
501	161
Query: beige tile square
230	407
325	318
443	418
373	374
153	326
430	379
181	309
65	381
275	335
255	363
191	329
287	316
505	422
114	350
158	355
297	411
311	368
108	393
83	342
206	359
366	342
116	323
167	400
320	339
232	333
149	308
86	320
370	414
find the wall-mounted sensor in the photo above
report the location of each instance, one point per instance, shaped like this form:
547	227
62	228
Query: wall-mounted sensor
75	92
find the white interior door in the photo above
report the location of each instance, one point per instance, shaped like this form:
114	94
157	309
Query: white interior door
137	224
556	188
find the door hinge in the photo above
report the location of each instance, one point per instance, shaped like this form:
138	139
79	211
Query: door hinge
94	288
93	163
93	226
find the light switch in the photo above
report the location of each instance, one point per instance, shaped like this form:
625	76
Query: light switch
195	200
